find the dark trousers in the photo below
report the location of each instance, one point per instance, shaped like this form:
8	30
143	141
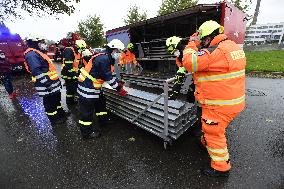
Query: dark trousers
71	90
7	82
87	107
100	109
53	107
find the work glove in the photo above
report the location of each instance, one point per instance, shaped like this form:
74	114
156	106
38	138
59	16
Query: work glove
120	84
122	92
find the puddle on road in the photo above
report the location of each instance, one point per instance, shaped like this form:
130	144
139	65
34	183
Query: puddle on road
33	107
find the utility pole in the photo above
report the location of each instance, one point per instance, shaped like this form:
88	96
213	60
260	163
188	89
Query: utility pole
256	12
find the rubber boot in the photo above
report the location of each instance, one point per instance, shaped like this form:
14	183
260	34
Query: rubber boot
214	173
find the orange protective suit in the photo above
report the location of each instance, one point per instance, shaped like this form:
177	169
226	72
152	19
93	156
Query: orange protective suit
127	58
219	77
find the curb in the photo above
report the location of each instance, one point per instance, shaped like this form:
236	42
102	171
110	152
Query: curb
263	72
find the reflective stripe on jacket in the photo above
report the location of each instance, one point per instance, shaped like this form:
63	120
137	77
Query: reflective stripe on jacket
74	62
52	74
219	74
44	76
93	75
70	64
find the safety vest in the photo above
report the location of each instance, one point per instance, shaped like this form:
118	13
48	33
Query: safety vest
52	70
75	62
83	63
219	76
97	83
127	58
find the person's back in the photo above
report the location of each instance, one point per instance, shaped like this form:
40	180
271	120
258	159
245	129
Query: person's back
100	70
46	80
223	82
219	75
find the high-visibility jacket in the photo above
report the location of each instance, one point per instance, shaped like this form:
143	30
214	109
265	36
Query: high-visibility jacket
94	74
219	74
43	71
70	64
127	58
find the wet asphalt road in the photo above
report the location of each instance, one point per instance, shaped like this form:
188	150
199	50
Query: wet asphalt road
33	154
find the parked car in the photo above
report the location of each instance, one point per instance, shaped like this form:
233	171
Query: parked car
98	50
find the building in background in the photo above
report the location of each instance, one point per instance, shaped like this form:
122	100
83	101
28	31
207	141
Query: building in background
265	33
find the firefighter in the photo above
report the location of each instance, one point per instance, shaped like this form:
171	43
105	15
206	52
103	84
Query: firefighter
70	67
175	47
219	76
100	106
45	78
128	61
91	78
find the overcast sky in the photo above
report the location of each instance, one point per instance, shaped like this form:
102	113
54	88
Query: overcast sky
112	14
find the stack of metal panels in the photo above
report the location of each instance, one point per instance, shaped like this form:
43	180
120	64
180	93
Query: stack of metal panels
146	81
181	115
154	82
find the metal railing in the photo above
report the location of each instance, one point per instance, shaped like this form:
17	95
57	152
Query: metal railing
157	114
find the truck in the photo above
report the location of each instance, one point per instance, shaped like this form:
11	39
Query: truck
147	104
55	50
150	35
14	47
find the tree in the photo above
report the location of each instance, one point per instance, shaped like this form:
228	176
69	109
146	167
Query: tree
69	34
256	12
39	7
92	30
169	6
134	16
244	5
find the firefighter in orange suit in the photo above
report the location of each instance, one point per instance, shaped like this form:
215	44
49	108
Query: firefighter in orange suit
219	76
128	60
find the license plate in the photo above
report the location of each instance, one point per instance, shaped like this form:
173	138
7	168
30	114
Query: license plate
18	68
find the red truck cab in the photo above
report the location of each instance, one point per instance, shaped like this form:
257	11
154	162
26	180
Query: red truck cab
13	47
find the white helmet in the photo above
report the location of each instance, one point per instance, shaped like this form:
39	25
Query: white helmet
35	37
116	44
87	52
